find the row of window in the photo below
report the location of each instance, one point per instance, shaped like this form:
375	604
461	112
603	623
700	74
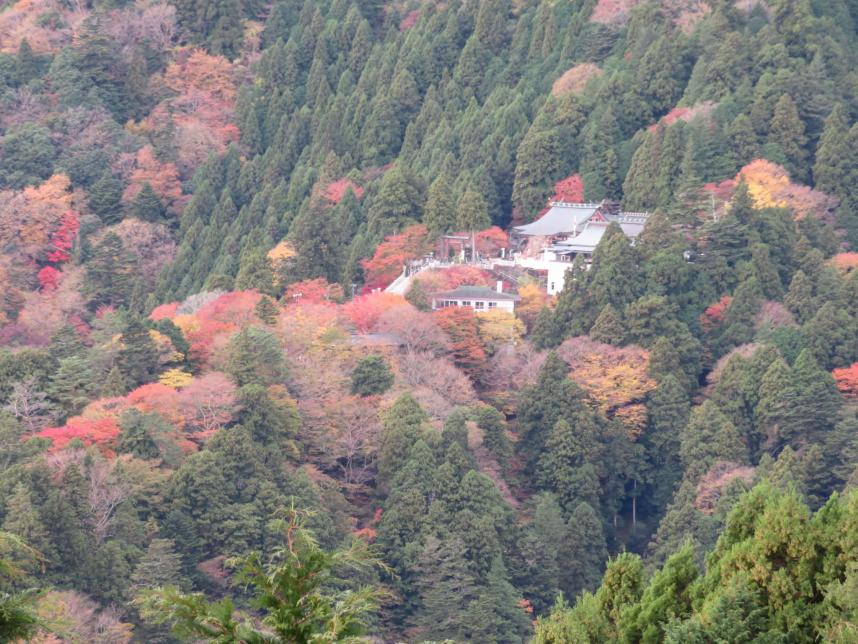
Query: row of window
478	304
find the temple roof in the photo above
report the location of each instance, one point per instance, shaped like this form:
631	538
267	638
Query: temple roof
562	217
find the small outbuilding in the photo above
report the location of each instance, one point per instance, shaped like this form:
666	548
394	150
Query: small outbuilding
479	298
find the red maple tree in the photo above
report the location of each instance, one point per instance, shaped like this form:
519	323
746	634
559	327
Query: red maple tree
392	254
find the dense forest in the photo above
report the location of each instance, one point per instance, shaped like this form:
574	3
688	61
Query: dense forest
216	424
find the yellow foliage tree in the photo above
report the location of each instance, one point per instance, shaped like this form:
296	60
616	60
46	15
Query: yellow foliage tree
533	298
497	328
175	378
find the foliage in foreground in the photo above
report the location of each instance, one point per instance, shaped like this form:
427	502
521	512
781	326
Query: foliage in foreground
297	591
778	573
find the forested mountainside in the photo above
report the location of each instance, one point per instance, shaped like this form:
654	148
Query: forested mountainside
217	425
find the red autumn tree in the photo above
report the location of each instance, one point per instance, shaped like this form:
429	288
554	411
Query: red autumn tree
491	240
570	189
714	314
49	278
365	310
392	254
847	381
62	239
102	432
448	279
316	291
164	311
460	325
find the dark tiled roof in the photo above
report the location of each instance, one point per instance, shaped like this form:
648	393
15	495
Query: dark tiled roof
476	293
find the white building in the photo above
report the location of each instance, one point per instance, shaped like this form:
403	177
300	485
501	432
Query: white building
479	298
567	230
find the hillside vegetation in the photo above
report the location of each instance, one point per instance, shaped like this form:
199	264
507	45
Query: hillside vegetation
216	425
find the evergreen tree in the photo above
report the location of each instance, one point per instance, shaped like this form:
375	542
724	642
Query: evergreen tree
668	415
799	298
28	155
608	327
402	426
446	589
266	310
496	615
372	376
565	466
743	144
22	519
539	163
472	212
666	598
396	205
709	437
766	272
583	551
27	64
787	137
255	358
320	241
109	272
71	385
541	405
159	567
493	424
615	269
138	358
830	172
138	433
104	198
255	272
440	212
147	205
114	383
97	58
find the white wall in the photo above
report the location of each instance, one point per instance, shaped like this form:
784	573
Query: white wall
501	305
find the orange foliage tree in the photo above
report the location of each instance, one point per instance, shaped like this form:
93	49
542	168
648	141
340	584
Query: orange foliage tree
847	381
163	177
615	377
844	263
460	325
365	310
770	187
570	189
446	279
392	254
39	220
317	291
202	109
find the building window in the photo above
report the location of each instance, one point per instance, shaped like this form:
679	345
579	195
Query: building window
479	306
466	302
493	305
552	286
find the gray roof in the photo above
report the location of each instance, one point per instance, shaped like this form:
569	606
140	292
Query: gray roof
586	241
476	293
561	218
568	218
